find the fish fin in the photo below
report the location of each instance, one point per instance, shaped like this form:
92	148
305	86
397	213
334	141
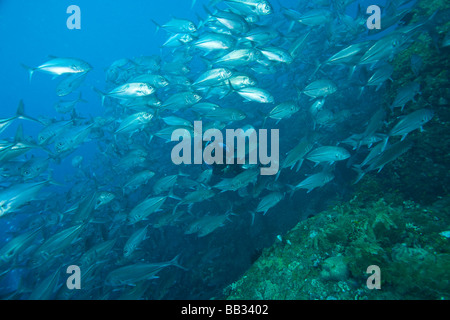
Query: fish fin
299	165
19	134
361	90
209	63
359	171
171	195
278	174
385	143
20	114
292	190
20	109
181	174
253	216
102	94
158	26
175	208
264	122
207	10
80	99
291	26
30	70
175	262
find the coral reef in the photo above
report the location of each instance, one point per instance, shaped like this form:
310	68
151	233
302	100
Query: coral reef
326	256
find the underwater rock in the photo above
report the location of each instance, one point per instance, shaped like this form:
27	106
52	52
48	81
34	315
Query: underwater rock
334	268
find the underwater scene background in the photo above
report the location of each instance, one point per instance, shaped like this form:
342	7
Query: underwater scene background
91	92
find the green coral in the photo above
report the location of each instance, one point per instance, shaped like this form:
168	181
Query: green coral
328	255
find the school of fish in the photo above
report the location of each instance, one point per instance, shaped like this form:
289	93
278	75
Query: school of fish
311	71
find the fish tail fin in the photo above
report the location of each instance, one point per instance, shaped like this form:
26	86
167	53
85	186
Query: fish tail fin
361	90
19	134
209	63
385	142
230	86
299	165
51	181
207	10
201	22
80	99
171	195
291	26
30	70
360	173
20	109
20	113
264	122
292	190
102	94
175	262
158	26
253	217
299	92
181	174
175	208
278	175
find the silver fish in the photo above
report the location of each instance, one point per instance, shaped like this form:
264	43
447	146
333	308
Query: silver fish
134	241
213	77
135	123
269	201
314	181
128	91
132	274
256	95
320	88
144	209
16	196
411	122
405	94
328	154
59	66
